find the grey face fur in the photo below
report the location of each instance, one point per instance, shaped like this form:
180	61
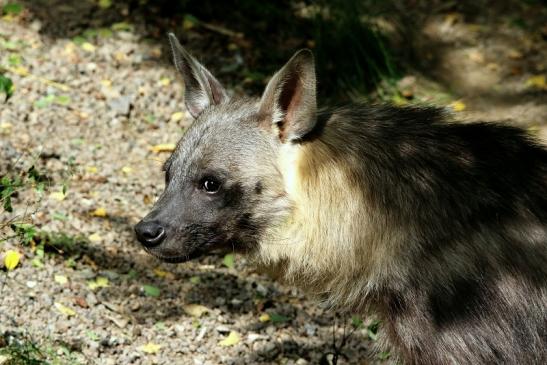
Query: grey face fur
222	183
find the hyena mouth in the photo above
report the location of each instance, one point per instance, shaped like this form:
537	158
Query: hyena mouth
179	258
191	252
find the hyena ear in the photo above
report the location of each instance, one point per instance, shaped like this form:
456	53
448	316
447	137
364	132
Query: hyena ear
202	89
289	101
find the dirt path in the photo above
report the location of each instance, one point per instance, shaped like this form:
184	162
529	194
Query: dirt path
89	112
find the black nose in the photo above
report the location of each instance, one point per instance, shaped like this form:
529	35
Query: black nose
150	234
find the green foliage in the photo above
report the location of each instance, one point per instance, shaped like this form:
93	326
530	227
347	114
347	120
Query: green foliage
15	59
22	351
351	54
25	232
8	186
356	322
45	101
228	261
12	9
6	86
278	318
60	242
372	330
151	291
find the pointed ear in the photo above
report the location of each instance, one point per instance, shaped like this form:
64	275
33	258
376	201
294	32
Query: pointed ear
201	87
289	101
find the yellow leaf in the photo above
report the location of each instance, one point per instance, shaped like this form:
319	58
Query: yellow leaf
21	71
11	260
99	212
175	117
5	125
64	309
88	47
232	339
264	318
106	82
127	170
458	106
537	82
91	169
60	279
163	274
163	147
57	195
195	310
165	81
120	57
95	237
150	348
100	282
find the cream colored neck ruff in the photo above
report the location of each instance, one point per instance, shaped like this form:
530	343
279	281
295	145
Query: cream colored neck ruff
328	243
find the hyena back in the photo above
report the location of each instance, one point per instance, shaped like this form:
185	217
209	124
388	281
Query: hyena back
438	228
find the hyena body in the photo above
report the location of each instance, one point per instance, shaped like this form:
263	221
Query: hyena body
440	229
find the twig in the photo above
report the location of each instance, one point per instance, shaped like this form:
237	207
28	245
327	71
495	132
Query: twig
25	73
221	30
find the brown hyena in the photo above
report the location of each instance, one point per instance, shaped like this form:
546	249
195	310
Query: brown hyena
438	228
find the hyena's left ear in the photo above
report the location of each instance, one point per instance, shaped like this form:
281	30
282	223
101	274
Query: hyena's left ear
289	101
202	89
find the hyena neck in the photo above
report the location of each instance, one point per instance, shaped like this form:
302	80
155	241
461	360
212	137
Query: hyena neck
327	243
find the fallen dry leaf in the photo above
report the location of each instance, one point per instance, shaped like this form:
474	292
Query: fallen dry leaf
95	237
91	169
88	47
60	279
195	310
64	309
11	260
150	348
58	195
127	170
163	147
100	282
176	117
232	339
164	274
264	318
99	212
81	302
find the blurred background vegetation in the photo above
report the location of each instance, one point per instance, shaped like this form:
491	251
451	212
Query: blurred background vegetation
362	47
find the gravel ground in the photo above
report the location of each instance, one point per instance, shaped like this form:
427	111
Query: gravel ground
122	101
101	107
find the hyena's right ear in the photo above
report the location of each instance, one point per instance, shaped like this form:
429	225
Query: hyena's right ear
289	103
202	89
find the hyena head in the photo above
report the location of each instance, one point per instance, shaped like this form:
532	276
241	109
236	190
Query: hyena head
223	186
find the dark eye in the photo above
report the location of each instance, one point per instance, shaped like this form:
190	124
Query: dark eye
210	185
